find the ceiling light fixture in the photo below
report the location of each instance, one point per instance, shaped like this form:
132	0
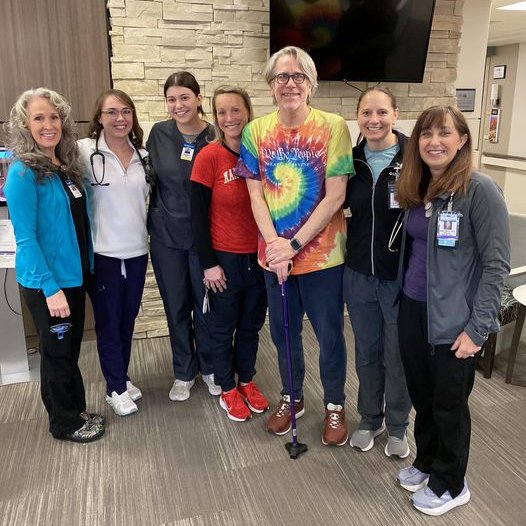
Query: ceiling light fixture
518	6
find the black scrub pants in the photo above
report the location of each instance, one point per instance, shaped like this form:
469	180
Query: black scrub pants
439	385
235	319
180	281
61	383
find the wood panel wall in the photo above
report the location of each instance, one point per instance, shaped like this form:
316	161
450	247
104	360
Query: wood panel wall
59	44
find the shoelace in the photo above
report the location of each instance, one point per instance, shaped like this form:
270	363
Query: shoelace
283	408
334	418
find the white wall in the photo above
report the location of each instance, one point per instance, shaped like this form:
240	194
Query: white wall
472	57
517	144
510	174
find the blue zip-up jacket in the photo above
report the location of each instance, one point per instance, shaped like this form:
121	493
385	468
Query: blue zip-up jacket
47	250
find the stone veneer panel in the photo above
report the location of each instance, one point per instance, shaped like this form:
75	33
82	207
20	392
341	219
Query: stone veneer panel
226	41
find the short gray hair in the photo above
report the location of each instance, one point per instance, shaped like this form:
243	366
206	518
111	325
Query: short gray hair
305	63
21	142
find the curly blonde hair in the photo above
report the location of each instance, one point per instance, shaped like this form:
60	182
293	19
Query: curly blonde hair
21	142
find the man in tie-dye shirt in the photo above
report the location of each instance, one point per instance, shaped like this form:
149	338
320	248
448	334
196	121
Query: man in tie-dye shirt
297	161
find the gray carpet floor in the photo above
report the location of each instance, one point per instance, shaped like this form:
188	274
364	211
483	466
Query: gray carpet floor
186	464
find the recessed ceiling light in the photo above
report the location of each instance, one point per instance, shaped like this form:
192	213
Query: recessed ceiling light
518	6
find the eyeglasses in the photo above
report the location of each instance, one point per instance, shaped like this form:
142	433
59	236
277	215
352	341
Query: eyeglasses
283	78
114	114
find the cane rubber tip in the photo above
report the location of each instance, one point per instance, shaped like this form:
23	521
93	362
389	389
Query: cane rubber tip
295	450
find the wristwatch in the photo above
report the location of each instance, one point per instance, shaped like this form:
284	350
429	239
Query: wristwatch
296	245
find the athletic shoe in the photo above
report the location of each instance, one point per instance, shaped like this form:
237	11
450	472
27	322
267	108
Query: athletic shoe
426	501
213	388
122	404
134	392
180	390
412	479
397	447
253	397
232	402
87	433
280	421
364	438
94	418
335	427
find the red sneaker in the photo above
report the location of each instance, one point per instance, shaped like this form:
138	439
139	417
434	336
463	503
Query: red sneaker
253	397
232	402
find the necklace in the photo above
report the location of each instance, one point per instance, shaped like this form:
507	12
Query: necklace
190	137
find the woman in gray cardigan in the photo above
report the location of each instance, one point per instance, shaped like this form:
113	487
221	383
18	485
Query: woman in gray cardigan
454	261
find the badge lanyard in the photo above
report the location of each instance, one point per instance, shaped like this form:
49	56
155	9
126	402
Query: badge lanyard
448	223
391	188
73	189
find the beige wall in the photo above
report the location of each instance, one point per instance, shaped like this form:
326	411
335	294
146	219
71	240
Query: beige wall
226	41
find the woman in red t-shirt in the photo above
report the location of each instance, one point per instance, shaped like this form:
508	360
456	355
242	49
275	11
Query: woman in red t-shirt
225	235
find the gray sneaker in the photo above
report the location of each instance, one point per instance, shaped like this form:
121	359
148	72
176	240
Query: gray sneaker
412	479
364	438
426	501
397	447
180	390
213	388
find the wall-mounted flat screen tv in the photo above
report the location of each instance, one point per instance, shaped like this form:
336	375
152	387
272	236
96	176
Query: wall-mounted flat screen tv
357	40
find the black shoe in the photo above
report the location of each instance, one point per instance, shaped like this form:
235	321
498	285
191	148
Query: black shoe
94	418
87	433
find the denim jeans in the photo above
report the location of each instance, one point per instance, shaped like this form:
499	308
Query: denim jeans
319	294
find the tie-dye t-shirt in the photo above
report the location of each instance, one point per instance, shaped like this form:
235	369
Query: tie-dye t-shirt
292	165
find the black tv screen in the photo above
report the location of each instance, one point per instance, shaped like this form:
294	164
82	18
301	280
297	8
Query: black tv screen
356	40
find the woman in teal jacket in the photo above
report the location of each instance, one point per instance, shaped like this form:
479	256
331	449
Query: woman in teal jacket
48	208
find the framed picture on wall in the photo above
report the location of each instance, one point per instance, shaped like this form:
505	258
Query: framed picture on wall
499	72
494	122
466	99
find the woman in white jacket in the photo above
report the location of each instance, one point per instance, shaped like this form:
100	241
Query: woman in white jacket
117	172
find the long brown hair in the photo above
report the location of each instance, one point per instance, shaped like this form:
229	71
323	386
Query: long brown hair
415	184
95	127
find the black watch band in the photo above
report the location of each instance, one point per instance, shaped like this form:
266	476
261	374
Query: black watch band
296	245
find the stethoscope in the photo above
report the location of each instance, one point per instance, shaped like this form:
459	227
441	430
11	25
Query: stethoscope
149	173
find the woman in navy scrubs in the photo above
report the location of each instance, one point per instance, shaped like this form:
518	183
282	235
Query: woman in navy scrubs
173	146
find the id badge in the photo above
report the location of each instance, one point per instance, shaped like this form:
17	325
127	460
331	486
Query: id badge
73	189
447	229
391	190
187	153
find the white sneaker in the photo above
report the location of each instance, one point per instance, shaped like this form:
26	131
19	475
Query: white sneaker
213	388
134	392
180	390
122	404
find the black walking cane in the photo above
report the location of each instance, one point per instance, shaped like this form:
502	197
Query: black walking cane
294	448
